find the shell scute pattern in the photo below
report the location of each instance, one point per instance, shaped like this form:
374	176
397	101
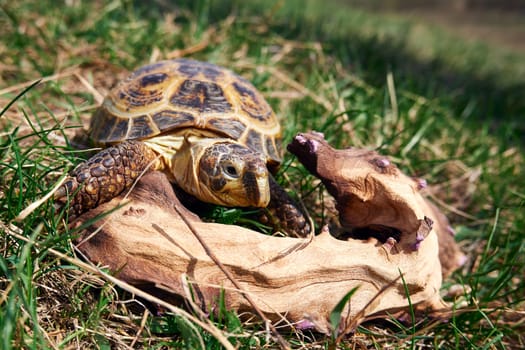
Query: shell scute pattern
183	94
189	69
138	95
233	128
154	67
153	79
121	128
142	127
254	140
169	119
272	148
102	130
252	103
143	88
201	96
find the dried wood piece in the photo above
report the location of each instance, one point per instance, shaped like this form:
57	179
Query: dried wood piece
146	243
374	198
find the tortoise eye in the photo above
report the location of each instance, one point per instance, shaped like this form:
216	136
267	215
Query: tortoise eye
230	170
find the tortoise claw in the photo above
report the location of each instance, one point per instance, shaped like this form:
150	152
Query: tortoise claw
69	186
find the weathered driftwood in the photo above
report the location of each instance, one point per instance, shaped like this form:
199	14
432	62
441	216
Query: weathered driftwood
374	198
146	242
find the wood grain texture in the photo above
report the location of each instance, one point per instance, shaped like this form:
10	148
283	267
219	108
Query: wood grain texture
146	243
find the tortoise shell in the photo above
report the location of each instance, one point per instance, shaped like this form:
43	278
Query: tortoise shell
181	95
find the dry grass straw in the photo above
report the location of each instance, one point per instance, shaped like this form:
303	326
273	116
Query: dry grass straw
87	84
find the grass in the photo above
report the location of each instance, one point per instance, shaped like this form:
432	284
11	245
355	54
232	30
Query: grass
453	115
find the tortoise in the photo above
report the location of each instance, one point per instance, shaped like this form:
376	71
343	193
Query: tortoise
207	128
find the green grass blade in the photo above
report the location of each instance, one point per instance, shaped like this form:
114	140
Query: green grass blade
336	314
20	94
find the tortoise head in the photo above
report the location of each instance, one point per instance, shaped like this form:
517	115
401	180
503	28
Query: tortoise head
231	174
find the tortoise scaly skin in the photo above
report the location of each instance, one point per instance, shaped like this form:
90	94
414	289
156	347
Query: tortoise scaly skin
105	175
209	129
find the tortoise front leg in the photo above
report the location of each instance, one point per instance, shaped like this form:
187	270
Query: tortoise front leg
104	176
287	215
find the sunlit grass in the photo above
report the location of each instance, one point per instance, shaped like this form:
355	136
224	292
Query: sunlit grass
348	77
